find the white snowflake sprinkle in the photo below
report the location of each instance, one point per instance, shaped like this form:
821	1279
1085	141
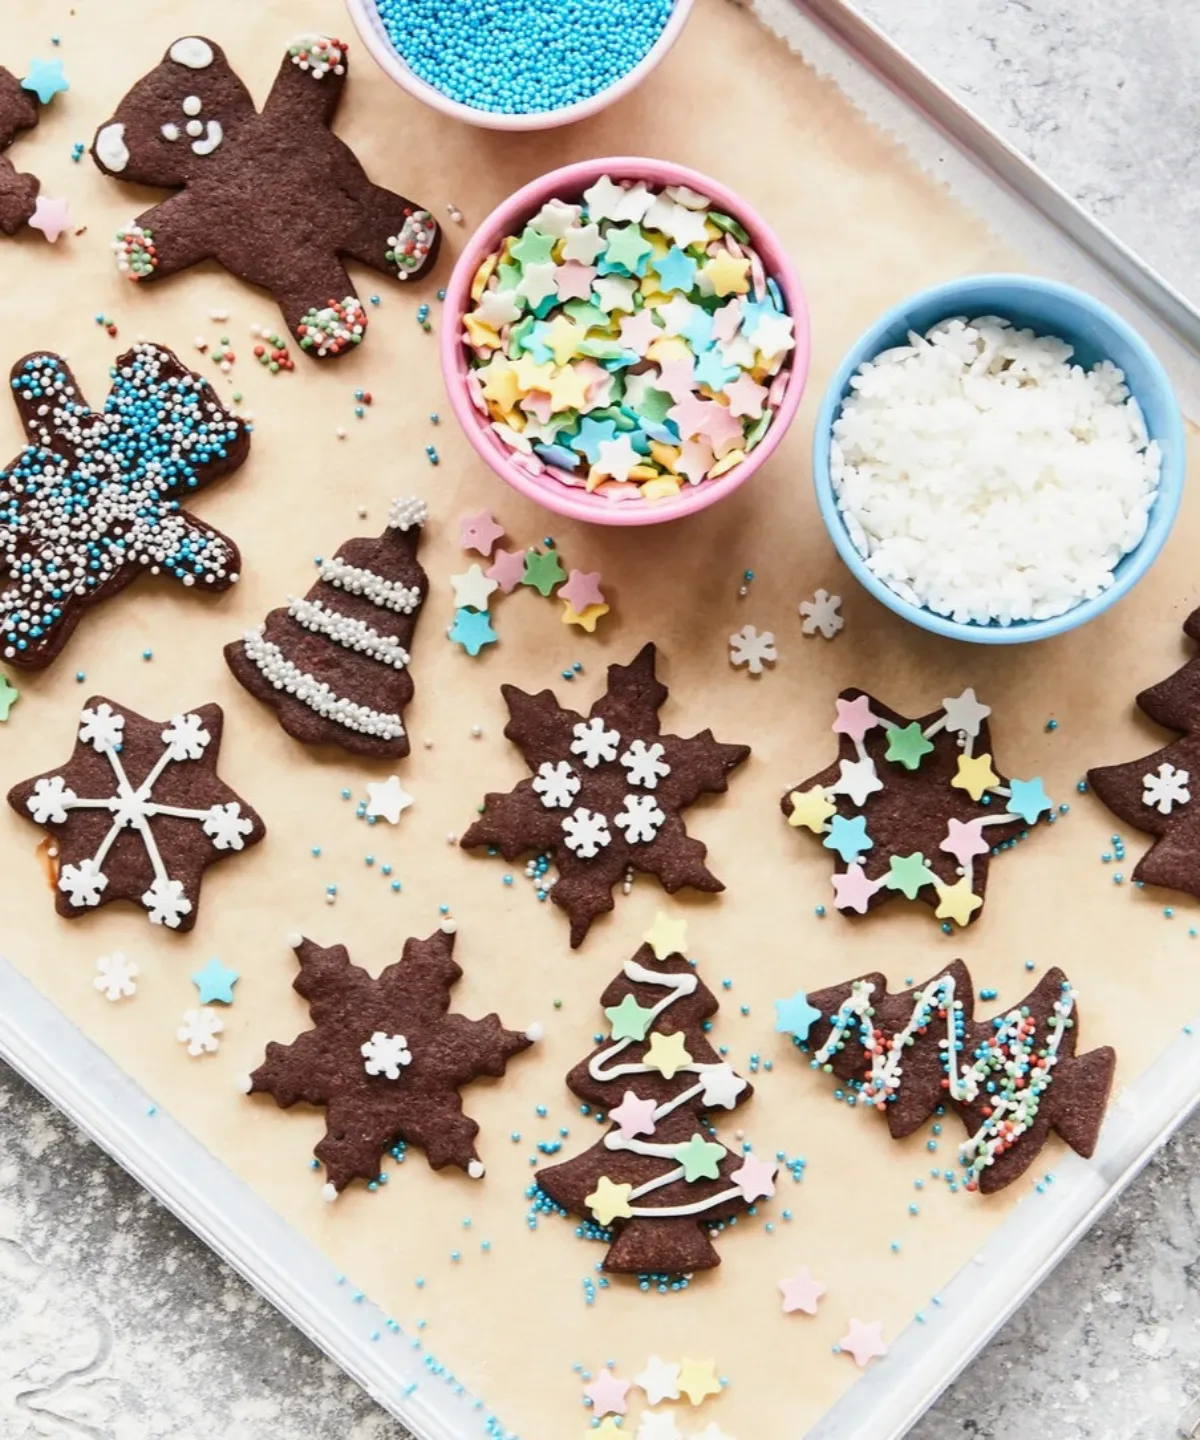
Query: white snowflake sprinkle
185	737
199	1031
116	977
752	648
83	884
165	902
384	1054
594	742
586	833
640	819
101	728
1165	788
226	826
557	785
50	801
644	764
822	614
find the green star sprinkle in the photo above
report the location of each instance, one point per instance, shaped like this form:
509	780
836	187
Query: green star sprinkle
628	247
700	1158
542	571
533	248
907	745
629	1020
908	873
9	695
585	313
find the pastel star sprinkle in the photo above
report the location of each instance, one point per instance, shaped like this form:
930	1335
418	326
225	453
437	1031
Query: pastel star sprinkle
629	1020
633	1116
542	571
608	1394
801	1292
659	1380
215	983
472	589
581	590
616	458
387	799
727	275
858	780
795	1016
479	532
700	1158
507	569
587	618
698	1380
956	902
848	837
863	1342
666	936
1028	799
51	217
907	746
852	890
965	841
908	873
45	79
609	1201
965	713
975	775
854	717
755	1178
472	630
668	1054
9	695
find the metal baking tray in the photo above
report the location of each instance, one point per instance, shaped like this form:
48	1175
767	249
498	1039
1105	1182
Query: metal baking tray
1040	220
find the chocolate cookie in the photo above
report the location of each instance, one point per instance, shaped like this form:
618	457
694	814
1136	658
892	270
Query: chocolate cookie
608	793
94	499
914	807
386	1059
334	665
276	198
658	1180
139	812
1011	1080
18	193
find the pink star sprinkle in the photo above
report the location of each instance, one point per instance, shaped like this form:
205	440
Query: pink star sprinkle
720	429
755	1178
965	841
638	332
852	890
690	413
695	461
726	321
574	280
801	1292
599	382
506	569
581	590
854	717
51	217
607	1394
538	404
676	379
864	1342
479	532
746	397
633	1116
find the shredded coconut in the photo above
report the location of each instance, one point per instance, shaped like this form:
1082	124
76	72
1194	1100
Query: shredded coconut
985	477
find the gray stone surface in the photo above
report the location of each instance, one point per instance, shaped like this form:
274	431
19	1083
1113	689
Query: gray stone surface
116	1325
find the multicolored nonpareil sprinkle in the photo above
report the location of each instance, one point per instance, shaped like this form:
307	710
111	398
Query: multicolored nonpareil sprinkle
629	344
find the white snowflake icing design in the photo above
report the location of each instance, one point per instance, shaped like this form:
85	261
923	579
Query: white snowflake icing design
101	728
199	1031
752	648
640	819
594	742
821	614
185	737
556	785
586	833
166	902
384	1054
644	764
116	977
1165	788
184	741
225	825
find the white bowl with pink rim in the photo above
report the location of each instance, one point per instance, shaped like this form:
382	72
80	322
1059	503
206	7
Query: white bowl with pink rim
546	488
365	16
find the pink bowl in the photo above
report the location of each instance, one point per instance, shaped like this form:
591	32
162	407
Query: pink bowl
568	183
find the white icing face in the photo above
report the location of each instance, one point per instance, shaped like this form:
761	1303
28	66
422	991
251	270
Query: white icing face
170	132
111	150
192	105
193	52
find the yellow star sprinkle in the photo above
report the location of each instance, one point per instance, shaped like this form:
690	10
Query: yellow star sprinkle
531	375
811	808
666	936
667	1054
481	335
726	275
609	1202
586	618
698	1380
563	338
568	389
662	487
956	902
668	347
975	775
666	455
502	386
482	276
643	472
727	462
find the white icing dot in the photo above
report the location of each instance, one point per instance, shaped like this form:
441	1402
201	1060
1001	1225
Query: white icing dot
329	1194
293	940
170	132
245	1084
111	150
448	926
475	1170
192	52
195	127
535	1032
192	105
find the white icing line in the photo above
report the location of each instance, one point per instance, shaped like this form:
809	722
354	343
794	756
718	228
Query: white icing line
318	696
387	594
351	634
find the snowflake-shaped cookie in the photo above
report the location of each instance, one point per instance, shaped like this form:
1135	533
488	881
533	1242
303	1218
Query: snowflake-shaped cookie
139	812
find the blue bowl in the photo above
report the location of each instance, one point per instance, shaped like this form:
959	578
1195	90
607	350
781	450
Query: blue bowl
1047	308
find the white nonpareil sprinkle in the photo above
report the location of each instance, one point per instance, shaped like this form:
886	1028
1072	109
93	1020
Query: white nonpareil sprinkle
983	476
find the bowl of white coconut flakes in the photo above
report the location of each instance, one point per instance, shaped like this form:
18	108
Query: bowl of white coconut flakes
999	459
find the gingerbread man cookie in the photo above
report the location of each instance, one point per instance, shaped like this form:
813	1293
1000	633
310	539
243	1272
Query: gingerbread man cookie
275	197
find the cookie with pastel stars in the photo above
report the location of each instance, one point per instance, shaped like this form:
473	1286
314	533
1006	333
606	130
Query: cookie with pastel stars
20	110
914	807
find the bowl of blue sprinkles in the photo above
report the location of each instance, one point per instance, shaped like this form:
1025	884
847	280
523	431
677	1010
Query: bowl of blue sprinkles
518	64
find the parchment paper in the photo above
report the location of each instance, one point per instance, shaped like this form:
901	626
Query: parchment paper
865	227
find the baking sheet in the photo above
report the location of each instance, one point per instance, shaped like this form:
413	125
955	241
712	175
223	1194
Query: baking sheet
865	226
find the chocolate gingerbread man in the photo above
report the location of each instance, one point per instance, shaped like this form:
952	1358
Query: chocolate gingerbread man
275	197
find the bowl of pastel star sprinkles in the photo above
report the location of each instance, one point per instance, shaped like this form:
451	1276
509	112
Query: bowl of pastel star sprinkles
999	459
625	341
519	64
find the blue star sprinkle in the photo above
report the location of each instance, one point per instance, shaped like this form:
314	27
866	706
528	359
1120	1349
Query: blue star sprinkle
215	983
472	630
45	79
796	1016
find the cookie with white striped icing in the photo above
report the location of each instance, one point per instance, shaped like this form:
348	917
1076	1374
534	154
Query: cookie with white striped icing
334	663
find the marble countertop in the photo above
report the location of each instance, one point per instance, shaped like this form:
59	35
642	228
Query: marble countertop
116	1324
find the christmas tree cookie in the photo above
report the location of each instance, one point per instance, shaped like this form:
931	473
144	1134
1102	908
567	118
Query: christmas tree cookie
386	1059
659	1180
93	501
1011	1080
335	664
275	197
913	807
607	793
139	812
1154	794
